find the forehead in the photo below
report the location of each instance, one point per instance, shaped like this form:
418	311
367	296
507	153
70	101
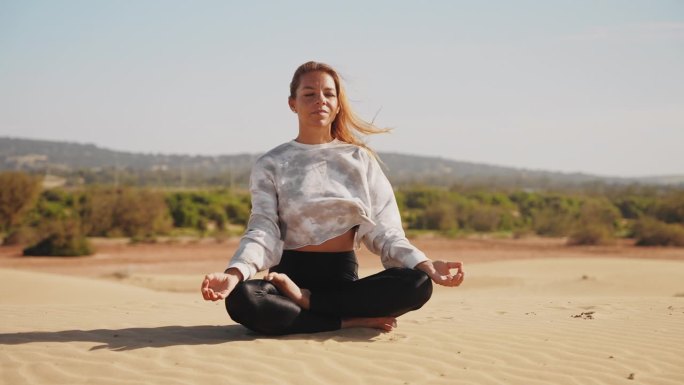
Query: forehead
317	79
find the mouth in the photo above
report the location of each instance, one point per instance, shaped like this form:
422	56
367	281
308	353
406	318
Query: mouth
320	112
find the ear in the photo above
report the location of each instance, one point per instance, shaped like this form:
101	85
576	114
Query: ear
291	103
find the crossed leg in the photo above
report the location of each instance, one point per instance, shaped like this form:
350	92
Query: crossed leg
302	298
276	305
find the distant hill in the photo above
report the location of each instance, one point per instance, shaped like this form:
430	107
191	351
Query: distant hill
87	163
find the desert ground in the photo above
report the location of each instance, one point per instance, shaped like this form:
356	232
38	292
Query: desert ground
531	311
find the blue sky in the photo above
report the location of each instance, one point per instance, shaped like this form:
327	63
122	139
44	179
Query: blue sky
589	86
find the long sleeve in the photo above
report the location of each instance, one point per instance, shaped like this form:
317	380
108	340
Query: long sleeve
387	238
260	246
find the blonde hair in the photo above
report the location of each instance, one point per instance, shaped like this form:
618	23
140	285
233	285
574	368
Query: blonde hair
347	126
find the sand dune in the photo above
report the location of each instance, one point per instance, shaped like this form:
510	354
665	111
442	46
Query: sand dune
542	321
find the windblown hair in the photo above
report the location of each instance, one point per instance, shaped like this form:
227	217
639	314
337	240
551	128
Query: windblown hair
347	126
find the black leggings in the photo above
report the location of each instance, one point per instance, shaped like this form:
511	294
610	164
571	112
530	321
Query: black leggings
336	293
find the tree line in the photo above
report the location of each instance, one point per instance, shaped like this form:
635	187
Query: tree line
59	221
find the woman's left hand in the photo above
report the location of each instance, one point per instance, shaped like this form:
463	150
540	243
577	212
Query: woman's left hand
441	272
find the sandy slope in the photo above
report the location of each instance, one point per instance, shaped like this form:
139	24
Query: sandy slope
540	321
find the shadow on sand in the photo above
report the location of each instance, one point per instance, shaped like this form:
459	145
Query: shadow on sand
164	336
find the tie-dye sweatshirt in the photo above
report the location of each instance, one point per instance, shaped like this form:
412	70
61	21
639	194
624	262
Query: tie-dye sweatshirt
305	194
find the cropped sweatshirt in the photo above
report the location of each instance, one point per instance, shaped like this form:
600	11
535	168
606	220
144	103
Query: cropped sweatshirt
304	194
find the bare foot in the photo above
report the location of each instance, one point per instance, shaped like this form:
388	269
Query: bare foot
290	289
383	323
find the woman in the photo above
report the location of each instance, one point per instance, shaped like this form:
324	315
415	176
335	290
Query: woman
314	200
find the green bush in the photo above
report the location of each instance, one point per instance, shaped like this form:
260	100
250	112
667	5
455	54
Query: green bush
142	213
550	222
208	210
440	217
23	235
131	212
596	223
634	206
99	211
18	195
652	232
62	238
671	208
238	211
484	218
592	234
183	211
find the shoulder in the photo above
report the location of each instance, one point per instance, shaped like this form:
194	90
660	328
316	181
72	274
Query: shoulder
270	158
275	153
358	152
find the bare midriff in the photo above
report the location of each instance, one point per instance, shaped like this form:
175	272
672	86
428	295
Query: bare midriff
344	242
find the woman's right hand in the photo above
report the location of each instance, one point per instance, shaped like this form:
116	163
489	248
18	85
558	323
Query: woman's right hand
217	286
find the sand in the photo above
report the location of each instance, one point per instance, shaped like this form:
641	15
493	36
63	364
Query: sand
579	316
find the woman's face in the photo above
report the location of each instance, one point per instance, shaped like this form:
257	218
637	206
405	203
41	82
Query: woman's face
315	101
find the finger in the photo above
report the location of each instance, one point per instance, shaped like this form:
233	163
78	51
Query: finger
459	278
204	289
455	265
449	280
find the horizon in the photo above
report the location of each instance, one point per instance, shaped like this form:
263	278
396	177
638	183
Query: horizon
588	87
381	152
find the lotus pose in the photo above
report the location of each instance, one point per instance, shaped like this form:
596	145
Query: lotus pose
315	199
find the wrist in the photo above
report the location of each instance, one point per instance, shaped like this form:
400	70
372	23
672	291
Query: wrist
232	271
425	266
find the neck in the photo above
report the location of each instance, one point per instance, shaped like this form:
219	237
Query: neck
314	136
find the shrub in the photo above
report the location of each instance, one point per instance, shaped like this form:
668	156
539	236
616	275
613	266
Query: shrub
440	217
238	212
63	238
183	211
423	198
671	208
142	213
634	207
99	211
549	222
652	232
23	235
18	194
131	212
484	218
592	234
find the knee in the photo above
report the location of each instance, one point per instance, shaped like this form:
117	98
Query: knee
423	288
239	303
248	305
417	286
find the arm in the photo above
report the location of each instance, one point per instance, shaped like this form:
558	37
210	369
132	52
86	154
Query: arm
260	246
388	239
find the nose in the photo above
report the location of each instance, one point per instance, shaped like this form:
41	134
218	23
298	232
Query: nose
320	98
